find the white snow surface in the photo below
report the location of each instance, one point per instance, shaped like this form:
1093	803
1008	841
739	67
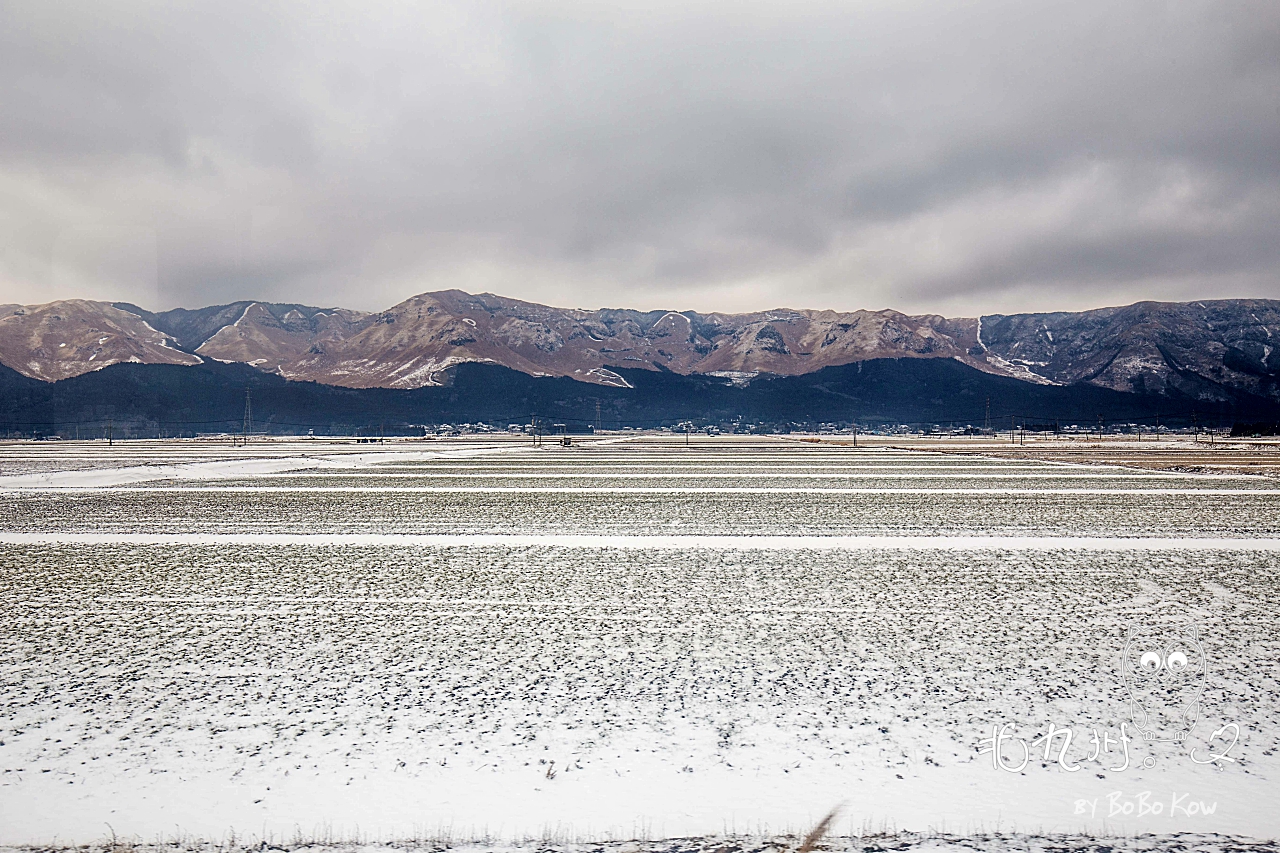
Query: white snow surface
227	469
647	543
216	654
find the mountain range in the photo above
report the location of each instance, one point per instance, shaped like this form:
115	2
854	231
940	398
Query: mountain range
1210	351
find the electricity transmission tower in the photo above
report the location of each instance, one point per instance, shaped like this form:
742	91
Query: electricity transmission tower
248	416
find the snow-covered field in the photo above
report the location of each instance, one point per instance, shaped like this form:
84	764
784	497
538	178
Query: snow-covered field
621	640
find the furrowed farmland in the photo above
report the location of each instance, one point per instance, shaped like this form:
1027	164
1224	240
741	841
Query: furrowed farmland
628	638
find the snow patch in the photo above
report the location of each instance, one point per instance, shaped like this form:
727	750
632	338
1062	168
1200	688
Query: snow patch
424	375
739	378
227	469
162	340
1017	371
608	377
245	314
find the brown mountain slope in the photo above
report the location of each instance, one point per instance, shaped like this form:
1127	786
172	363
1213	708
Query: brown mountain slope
408	345
61	339
261	338
1155	347
1200	349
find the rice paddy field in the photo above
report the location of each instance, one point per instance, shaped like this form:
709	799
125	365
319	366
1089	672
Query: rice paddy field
630	639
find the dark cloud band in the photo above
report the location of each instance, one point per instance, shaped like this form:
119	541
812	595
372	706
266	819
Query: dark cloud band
999	156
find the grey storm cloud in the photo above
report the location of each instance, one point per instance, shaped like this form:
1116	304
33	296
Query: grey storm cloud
957	158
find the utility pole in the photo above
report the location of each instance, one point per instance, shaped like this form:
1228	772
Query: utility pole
1011	438
986	424
688	427
597	415
111	429
1195	427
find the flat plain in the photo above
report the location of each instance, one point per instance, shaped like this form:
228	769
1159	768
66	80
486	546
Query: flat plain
629	637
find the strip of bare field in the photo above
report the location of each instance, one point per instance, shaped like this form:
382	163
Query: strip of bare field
642	542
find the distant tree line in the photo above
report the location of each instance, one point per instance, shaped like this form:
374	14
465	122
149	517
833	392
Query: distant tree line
154	400
1245	430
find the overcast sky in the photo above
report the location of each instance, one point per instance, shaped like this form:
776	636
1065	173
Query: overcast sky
946	157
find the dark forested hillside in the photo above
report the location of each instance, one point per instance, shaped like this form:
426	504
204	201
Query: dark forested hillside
173	399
